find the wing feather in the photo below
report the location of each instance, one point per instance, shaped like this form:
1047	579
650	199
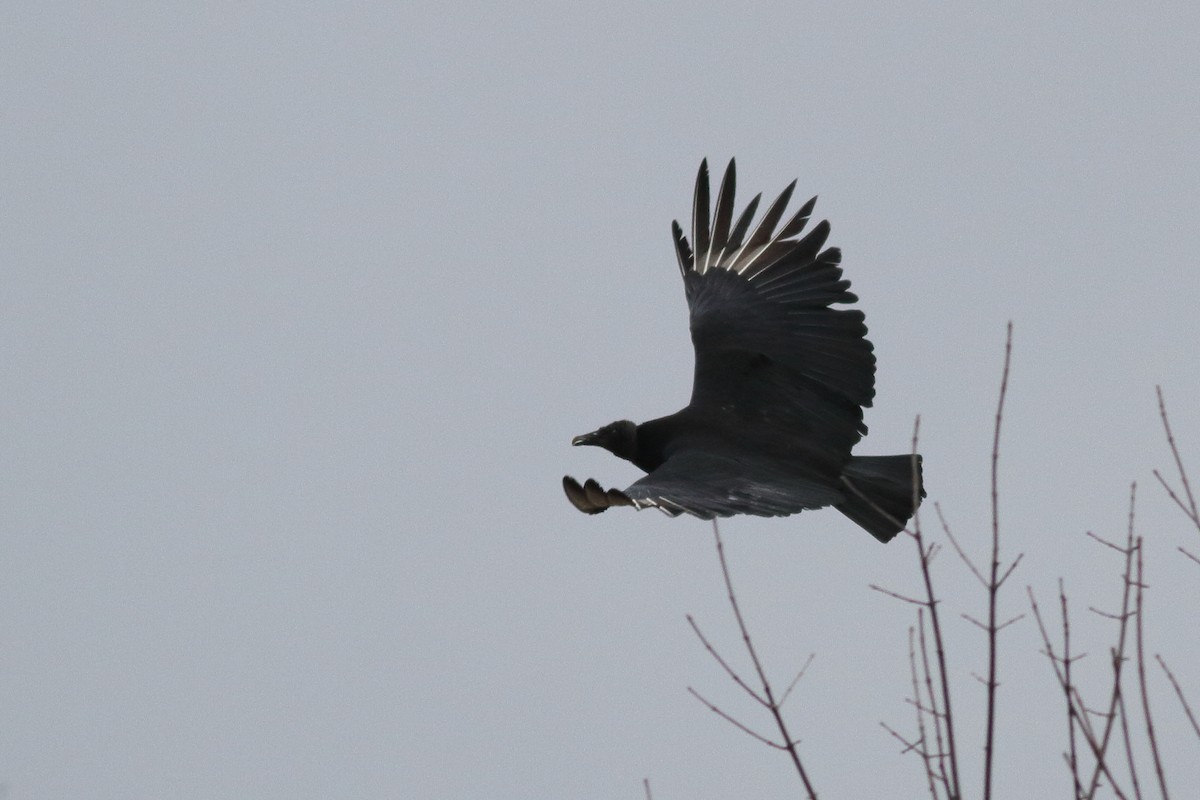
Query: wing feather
706	485
700	233
682	251
722	216
734	243
761	238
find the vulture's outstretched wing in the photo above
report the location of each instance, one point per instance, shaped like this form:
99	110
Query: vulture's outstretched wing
769	349
708	485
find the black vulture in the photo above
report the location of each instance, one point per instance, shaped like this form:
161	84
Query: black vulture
780	383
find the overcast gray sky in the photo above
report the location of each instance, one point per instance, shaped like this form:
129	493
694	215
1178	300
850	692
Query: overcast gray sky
302	305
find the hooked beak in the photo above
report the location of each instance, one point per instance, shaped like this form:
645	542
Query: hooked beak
587	438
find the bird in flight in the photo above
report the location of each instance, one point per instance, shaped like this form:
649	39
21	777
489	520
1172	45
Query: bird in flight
780	382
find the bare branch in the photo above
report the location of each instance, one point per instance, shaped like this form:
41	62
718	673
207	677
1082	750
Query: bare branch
993	585
1077	710
1071	719
936	705
930	775
945	748
1141	665
958	549
1110	615
1118	653
1189	555
767	697
734	722
1179	692
946	717
1005	624
1133	776
975	622
796	679
1122	550
916	484
728	669
908	746
899	596
1171	493
1190	509
1010	569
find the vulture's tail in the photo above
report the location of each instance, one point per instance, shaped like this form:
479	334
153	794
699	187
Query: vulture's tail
879	493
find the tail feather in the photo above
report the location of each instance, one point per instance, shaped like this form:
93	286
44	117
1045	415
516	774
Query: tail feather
879	493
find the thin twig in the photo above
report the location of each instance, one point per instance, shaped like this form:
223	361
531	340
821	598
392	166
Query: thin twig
1133	776
946	756
1171	493
938	715
796	679
912	665
1118	653
1190	509
914	747
713	708
898	596
1106	543
1187	709
1075	702
1009	571
728	669
915	476
993	585
957	548
1141	665
1071	721
767	697
951	749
